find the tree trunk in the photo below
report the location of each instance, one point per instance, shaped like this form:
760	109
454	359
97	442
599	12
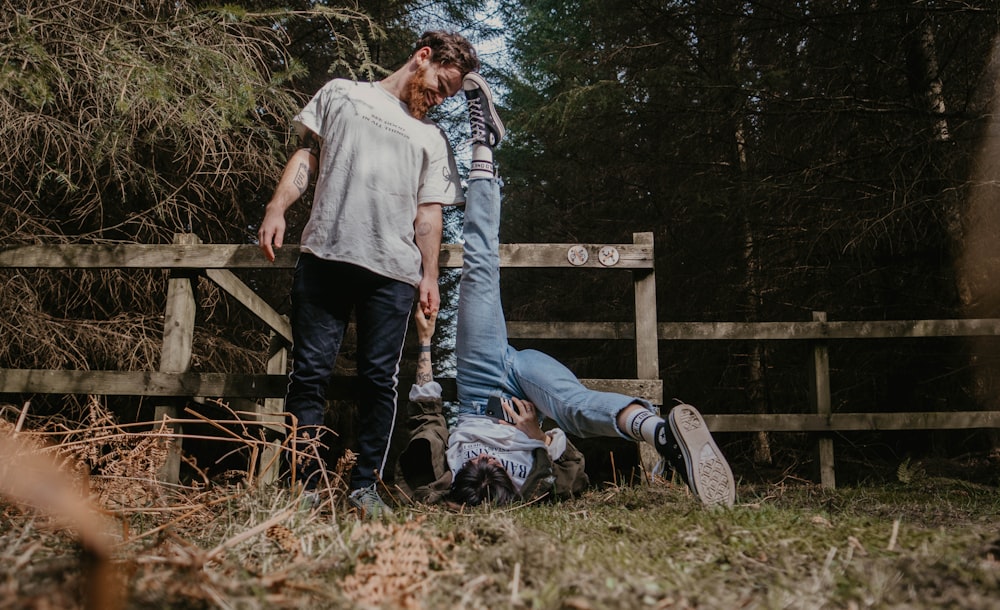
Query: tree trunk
978	258
923	72
755	377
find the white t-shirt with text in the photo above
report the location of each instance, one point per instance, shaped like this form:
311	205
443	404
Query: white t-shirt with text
474	435
377	164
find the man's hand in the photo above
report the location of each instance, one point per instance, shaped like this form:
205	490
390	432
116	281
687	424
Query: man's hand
425	325
524	417
430	296
271	234
427	235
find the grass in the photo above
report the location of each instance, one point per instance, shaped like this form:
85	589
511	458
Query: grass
928	545
130	542
800	547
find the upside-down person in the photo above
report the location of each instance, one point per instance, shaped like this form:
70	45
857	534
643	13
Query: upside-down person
492	460
534	464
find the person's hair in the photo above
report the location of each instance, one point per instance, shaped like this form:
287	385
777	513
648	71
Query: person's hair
479	481
449	48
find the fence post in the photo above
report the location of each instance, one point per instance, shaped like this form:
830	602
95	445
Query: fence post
819	389
646	355
277	364
175	354
647	358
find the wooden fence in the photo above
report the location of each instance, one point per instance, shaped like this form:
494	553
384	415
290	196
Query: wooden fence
187	258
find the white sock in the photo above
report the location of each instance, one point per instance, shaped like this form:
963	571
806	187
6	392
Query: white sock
641	425
482	162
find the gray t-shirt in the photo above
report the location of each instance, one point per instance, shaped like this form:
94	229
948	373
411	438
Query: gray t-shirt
378	163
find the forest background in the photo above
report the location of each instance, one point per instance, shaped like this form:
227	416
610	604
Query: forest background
789	157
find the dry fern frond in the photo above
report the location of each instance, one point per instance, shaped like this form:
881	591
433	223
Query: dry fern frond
284	538
907	472
342	472
397	565
37	479
124	465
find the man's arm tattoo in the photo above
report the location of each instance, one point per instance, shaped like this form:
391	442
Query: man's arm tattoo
424	374
302	178
423	228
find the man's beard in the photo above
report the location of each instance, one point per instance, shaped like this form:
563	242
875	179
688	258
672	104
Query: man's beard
416	99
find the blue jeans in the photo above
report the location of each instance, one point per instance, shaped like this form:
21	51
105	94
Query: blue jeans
324	293
487	365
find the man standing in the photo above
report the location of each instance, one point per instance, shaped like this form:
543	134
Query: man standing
382	171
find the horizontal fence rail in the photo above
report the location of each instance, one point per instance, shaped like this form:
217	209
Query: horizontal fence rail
211	256
881	329
230	385
762	331
846	422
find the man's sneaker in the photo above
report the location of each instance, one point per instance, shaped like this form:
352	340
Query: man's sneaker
368	503
673	457
486	125
687	445
310	500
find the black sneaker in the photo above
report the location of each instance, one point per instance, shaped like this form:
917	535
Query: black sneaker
486	125
688	447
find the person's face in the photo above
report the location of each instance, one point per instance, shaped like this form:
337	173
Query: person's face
430	85
485	458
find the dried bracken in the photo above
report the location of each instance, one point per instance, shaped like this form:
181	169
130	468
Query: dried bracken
101	480
240	543
285	539
47	483
397	565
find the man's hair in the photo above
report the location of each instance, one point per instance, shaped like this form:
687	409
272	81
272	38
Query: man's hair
449	48
479	481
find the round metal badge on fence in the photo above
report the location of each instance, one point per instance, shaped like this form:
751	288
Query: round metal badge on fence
577	255
608	256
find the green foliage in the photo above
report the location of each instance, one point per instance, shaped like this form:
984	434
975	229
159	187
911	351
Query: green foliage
133	120
128	121
784	158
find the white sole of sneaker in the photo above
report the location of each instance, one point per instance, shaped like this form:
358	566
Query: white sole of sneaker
708	471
